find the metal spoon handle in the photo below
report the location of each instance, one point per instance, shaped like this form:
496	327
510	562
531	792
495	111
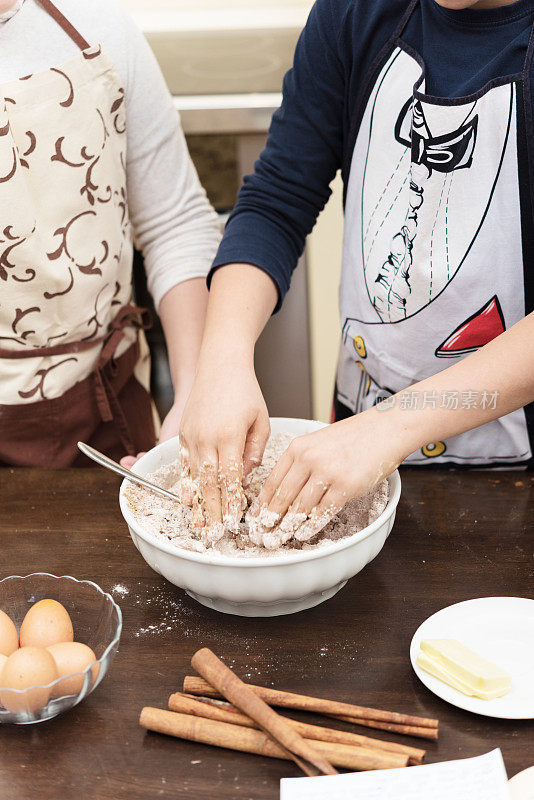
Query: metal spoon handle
108	463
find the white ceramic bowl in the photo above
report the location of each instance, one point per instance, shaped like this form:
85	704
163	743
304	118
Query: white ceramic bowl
266	586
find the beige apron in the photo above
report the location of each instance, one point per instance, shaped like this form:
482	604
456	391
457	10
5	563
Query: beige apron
66	261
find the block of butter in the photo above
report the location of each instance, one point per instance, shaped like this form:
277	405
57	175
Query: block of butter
458	666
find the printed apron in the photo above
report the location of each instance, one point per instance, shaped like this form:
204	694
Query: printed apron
73	358
437	220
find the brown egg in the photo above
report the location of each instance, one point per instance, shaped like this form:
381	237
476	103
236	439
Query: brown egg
3	660
9	638
28	666
72	657
46	623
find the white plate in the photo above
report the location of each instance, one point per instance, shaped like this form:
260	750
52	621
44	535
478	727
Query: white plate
522	785
500	629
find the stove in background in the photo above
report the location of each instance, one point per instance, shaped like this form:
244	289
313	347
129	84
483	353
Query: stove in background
224	63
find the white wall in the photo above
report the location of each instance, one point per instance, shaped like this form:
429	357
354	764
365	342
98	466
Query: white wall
323	253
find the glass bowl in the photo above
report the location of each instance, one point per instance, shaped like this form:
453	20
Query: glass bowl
97	622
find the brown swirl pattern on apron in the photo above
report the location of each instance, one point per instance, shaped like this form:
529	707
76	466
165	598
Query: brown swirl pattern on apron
71	343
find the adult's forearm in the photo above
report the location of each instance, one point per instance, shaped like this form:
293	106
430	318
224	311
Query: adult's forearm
319	472
183	313
494	381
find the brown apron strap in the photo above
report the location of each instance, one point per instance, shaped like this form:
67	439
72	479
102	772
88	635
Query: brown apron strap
106	397
128	315
63	22
52	350
110	407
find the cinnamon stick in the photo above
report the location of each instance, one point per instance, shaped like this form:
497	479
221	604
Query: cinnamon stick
371	717
224	712
405	730
240	695
247	740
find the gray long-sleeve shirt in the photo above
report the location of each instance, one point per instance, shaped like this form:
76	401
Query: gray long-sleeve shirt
173	222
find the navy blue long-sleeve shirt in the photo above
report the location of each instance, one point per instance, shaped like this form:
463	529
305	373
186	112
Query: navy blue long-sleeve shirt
312	135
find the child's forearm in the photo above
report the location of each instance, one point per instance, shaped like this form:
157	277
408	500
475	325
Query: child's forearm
225	424
497	379
242	298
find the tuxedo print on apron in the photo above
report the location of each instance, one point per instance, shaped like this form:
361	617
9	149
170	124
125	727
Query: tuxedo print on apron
433	255
429	193
425	195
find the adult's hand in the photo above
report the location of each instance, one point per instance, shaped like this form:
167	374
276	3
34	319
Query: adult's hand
319	473
182	311
322	471
170	427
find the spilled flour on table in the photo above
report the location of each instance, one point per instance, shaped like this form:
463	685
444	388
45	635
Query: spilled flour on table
121	590
171	521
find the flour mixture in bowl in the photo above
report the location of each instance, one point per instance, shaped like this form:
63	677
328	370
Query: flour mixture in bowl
172	521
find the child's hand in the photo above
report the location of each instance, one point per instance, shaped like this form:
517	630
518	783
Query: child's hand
225	426
224	431
322	471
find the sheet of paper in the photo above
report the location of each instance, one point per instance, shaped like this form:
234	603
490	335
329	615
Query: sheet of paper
480	778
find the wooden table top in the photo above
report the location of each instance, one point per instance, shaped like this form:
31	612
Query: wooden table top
457	536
